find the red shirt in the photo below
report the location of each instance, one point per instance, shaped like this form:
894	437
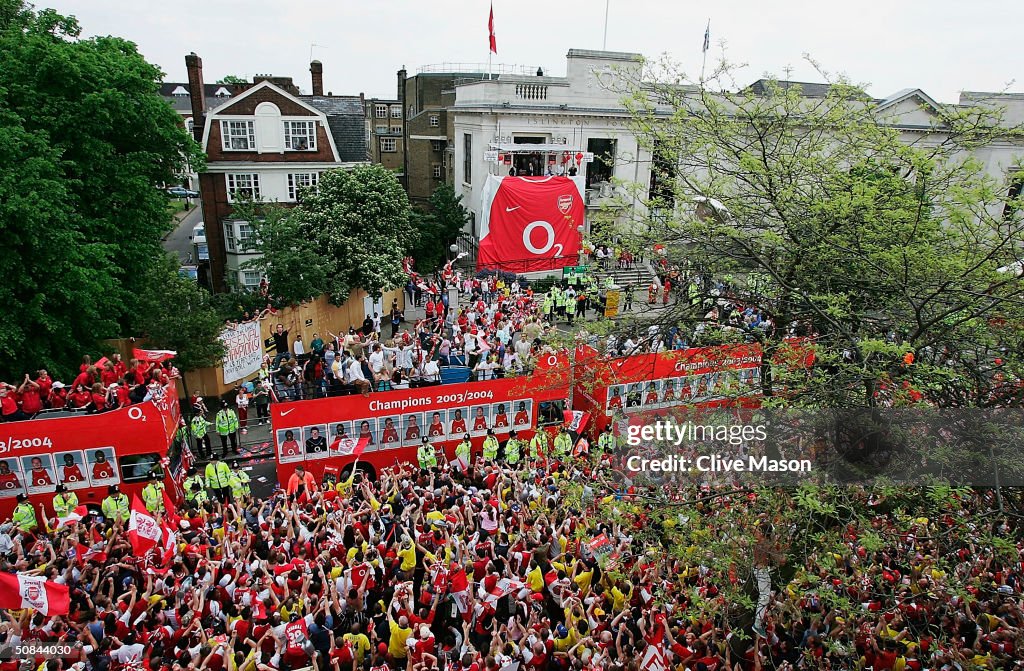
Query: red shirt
31	402
9	404
102	471
100	401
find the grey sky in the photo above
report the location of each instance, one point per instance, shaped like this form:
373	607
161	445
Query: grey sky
940	46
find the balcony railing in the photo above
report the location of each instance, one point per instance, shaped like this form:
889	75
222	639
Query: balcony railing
532	91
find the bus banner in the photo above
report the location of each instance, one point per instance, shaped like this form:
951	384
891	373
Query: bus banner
315	433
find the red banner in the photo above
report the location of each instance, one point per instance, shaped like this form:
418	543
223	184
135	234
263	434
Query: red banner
530	223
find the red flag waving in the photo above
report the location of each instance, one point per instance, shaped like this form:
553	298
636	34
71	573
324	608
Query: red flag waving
153	355
575	420
490	30
143	531
346	446
170	513
32	591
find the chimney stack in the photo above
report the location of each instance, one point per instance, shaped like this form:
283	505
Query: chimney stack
401	83
194	66
316	69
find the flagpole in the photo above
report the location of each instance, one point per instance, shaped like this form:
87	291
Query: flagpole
704	60
604	44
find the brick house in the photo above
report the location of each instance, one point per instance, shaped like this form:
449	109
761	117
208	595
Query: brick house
266	141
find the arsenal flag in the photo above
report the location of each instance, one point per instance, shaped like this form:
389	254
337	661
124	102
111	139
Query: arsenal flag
530	224
33	591
143	531
346	446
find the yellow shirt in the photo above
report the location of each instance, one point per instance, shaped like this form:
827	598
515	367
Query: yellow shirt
408	557
396	646
535	579
360	645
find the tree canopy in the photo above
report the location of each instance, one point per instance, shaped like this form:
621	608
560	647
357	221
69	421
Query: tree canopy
87	142
352	232
437	228
176	313
839	224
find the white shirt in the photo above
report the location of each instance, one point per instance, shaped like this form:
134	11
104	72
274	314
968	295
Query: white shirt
377	361
298	347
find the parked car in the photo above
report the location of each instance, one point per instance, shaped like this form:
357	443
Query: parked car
182	192
201	251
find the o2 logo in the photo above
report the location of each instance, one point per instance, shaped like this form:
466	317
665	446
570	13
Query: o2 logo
549	239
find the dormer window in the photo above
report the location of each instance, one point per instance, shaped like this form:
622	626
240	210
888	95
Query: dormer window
300	135
222	93
238	135
179	91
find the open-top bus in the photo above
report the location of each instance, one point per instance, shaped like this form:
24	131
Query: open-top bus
89	452
307	432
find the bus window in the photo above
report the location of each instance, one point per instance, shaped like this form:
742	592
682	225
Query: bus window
137	467
551	412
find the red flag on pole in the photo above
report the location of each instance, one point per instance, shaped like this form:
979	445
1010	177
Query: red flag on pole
490	30
143	530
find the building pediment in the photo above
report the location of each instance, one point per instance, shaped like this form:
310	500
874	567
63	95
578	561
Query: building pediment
911	107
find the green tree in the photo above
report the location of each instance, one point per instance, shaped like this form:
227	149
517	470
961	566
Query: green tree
878	245
437	228
359	219
87	139
291	261
176	313
232	79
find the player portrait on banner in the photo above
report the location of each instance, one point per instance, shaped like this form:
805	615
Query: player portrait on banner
502	422
12	480
288	447
435	429
100	466
367	430
71	469
315	441
524	411
480	420
652	394
615	398
39	473
457	422
389	436
412	429
338	433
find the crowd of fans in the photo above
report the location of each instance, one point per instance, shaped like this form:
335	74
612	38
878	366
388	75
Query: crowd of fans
107	384
498	568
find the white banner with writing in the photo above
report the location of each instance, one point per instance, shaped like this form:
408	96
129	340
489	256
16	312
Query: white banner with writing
243	351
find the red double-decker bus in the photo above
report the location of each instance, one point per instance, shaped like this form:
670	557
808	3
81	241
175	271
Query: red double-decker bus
648	384
89	452
306	432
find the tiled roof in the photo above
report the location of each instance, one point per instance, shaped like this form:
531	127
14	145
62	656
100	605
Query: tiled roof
183	102
346	118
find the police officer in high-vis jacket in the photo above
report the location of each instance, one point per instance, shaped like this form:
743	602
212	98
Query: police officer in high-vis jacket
64	501
490	447
24	516
513	449
195	488
153	494
226	423
464	453
115	506
426	455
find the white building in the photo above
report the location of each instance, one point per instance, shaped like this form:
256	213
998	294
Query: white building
537	119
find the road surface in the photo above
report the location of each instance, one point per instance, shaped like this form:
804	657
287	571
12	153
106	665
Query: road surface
178	242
